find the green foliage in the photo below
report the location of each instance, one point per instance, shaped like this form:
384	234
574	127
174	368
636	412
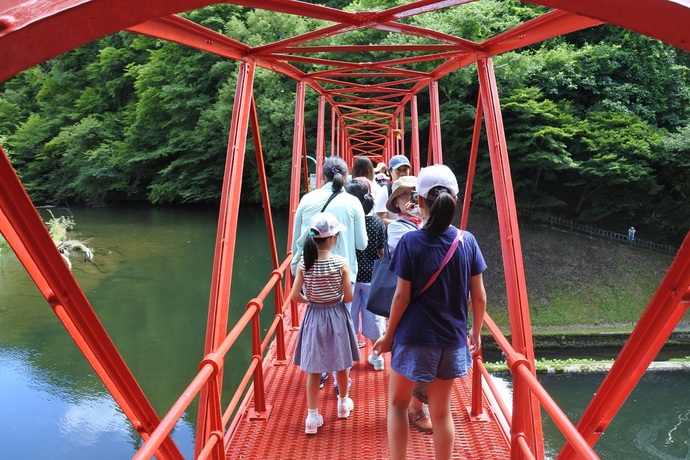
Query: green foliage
538	133
616	152
596	122
558	365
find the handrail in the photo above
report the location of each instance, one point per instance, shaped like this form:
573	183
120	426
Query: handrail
520	369
213	362
492	387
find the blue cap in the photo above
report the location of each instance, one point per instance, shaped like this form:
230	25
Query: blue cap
398	161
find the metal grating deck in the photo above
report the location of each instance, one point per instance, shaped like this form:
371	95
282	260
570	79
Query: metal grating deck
362	435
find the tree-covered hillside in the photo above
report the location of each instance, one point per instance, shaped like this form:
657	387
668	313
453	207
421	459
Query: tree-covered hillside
597	122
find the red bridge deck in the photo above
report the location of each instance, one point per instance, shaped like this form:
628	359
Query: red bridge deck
363	434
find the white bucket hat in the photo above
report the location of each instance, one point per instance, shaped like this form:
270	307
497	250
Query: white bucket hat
325	224
436	176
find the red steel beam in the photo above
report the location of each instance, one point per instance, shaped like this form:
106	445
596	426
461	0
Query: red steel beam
224	254
661	19
33	32
549	25
281	352
436	153
414	141
526	415
664	311
472	166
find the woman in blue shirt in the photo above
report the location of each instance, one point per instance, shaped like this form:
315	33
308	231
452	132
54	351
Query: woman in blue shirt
427	333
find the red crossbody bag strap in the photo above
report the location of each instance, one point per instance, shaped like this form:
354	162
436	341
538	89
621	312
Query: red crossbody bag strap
449	254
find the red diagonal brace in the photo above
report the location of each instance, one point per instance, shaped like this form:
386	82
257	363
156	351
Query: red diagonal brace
664	311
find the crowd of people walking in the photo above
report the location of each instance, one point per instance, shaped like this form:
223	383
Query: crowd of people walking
340	232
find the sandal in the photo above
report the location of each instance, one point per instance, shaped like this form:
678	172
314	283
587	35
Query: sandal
421	420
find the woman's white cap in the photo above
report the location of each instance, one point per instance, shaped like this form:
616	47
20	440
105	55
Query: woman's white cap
325	224
436	176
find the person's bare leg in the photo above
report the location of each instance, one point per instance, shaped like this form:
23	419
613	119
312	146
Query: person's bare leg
399	394
313	391
439	408
341	377
417	412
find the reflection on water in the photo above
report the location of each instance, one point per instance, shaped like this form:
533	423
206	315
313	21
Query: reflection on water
652	424
149	283
41	420
660	442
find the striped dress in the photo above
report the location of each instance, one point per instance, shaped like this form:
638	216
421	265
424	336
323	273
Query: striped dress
327	340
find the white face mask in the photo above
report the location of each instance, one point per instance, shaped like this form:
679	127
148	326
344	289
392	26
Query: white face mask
415	212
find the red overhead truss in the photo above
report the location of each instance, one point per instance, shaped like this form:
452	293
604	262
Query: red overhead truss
368	104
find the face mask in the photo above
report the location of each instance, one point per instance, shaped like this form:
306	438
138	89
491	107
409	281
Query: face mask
415	212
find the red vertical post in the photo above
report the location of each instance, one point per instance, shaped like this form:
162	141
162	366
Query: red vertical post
305	168
28	237
664	311
270	230
430	152
224	254
401	127
295	181
471	168
414	148
435	128
342	152
334	127
320	139
476	410
525	409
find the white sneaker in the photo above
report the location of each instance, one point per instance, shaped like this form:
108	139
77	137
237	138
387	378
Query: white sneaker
345	406
377	362
312	424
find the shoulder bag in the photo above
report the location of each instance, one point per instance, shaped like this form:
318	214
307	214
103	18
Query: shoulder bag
384	281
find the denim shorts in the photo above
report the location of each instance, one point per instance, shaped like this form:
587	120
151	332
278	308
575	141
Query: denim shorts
424	364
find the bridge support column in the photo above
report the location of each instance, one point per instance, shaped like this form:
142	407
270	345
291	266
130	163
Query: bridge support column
320	139
436	153
414	141
219	303
526	413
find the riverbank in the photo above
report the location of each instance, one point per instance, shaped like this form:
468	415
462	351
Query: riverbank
575	283
577	366
567	347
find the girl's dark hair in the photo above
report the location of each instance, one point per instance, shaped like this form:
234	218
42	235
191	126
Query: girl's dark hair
441	210
310	251
363	167
335	170
359	189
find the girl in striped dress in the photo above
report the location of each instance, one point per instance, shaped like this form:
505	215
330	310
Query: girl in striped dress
327	340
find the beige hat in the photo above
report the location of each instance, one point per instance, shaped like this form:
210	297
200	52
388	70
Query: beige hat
400	186
379	167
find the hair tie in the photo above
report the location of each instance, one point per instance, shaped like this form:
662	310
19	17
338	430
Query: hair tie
436	191
335	171
312	232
